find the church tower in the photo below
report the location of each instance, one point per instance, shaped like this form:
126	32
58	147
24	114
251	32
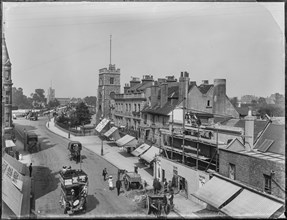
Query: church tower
109	84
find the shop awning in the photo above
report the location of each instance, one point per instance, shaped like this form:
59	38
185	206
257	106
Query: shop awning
150	154
251	205
111	131
125	140
102	124
9	143
216	191
140	150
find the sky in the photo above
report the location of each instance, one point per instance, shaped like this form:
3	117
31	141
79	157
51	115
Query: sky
64	45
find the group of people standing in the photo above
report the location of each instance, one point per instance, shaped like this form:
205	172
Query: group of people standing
167	189
110	181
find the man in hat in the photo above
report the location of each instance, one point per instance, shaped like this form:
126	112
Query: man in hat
105	173
118	185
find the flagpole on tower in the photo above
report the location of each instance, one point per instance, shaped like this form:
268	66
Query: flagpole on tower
110	49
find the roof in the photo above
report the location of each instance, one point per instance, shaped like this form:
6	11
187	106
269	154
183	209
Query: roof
20	167
165	110
276	133
259	125
5	55
204	88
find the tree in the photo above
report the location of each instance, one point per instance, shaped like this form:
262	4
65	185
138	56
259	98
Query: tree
38	98
91	100
53	103
262	101
19	99
82	114
279	99
234	101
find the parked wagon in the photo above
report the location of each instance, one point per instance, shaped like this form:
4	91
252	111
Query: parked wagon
157	204
75	148
132	180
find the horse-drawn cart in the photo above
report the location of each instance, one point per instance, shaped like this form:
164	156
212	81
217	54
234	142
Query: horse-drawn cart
132	180
75	148
157	204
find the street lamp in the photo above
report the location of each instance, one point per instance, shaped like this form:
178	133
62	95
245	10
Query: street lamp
69	134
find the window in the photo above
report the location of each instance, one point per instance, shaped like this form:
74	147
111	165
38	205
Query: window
130	107
208	103
135	108
267	184
232	171
111	80
139	107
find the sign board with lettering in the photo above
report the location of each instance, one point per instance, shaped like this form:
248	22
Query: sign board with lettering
15	177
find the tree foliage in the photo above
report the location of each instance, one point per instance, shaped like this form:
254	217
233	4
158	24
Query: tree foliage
82	114
91	100
234	101
39	99
53	103
20	100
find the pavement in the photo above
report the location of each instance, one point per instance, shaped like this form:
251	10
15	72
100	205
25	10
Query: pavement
122	160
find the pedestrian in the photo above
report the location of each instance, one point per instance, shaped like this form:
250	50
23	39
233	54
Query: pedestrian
105	173
111	185
170	198
158	185
30	169
165	185
169	186
118	185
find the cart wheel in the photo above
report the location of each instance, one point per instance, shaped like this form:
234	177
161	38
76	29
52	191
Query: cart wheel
167	209
148	205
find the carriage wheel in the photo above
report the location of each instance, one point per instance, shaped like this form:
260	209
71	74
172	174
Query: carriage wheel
167	209
148	205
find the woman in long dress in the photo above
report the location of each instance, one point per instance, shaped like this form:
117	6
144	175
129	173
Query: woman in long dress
111	185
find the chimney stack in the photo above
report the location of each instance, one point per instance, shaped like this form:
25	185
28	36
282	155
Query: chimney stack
183	85
163	94
205	82
249	129
154	93
127	86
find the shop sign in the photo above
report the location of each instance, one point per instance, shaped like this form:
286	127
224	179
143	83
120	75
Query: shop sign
12	174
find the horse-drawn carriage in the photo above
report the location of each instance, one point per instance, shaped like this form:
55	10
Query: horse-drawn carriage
74	190
75	148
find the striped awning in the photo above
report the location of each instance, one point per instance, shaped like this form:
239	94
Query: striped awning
125	140
111	131
150	154
251	205
102	124
216	191
140	150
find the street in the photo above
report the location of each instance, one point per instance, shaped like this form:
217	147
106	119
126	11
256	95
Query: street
46	186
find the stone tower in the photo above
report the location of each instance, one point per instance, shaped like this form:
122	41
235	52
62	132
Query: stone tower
109	84
7	89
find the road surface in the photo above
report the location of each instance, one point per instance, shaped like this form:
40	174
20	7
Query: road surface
52	157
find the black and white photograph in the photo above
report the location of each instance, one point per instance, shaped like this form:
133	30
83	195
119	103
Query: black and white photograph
143	109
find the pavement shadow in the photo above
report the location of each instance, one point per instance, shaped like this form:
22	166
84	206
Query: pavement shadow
206	213
92	203
44	181
126	154
149	170
140	165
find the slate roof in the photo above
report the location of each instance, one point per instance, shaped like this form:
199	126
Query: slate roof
276	133
165	110
204	88
259	125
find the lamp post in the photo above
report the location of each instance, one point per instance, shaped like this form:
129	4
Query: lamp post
69	134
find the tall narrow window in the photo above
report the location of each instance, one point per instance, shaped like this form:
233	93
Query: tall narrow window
208	103
267	184
232	171
111	80
139	107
